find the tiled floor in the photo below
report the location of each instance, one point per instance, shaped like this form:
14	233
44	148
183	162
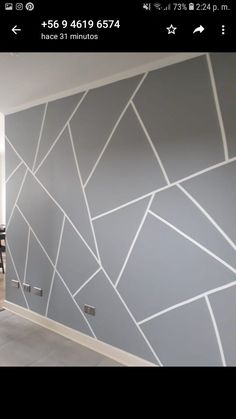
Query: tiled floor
2	290
23	343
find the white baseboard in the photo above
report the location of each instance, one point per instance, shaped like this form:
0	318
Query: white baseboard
118	355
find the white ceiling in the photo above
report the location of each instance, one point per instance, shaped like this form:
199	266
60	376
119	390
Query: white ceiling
27	79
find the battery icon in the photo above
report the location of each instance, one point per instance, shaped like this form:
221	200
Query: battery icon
191	6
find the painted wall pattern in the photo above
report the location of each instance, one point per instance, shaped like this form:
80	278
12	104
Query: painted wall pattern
124	197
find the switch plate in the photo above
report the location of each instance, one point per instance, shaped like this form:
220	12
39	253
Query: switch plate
26	287
15	283
38	291
89	310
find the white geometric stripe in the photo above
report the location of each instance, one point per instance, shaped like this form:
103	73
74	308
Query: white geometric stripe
134	241
188	301
84	194
53	199
12	173
114	128
57	138
54	266
132	317
212	221
186	236
101	267
54	270
219	114
216	331
27	254
86	282
18	195
151	143
163	188
40	135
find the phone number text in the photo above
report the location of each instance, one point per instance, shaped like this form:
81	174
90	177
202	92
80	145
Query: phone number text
79	24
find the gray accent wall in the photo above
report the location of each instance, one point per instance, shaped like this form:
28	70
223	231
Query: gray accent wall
124	198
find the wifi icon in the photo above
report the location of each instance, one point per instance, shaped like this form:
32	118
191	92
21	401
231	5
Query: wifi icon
157	6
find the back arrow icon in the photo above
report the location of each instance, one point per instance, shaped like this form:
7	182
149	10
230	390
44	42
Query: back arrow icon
199	29
15	29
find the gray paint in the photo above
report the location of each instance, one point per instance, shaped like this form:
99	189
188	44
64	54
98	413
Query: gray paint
12	189
17	236
128	168
13	294
225	76
110	313
223	305
216	192
185	336
177	107
12	160
38	274
165	269
76	263
175	207
160	268
59	170
104	106
42	214
115	233
56	117
23	129
63	309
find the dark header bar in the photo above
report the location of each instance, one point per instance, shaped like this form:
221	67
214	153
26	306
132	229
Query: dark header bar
131	26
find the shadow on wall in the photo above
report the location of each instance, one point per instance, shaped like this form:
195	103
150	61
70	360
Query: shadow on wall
123	198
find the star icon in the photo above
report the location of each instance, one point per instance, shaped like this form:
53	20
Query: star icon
171	29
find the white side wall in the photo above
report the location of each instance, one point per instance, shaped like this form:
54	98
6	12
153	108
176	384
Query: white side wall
2	173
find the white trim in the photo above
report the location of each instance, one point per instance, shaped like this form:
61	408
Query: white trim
153	65
114	129
58	273
14	266
87	281
216	331
84	194
132	317
163	188
194	242
77	305
27	254
151	143
134	241
118	355
60	133
54	269
213	222
219	114
40	135
14	171
19	192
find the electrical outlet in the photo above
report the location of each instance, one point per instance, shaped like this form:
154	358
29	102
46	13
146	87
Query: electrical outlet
89	310
26	287
15	283
38	291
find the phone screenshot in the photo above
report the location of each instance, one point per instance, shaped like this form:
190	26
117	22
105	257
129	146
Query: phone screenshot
118	184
